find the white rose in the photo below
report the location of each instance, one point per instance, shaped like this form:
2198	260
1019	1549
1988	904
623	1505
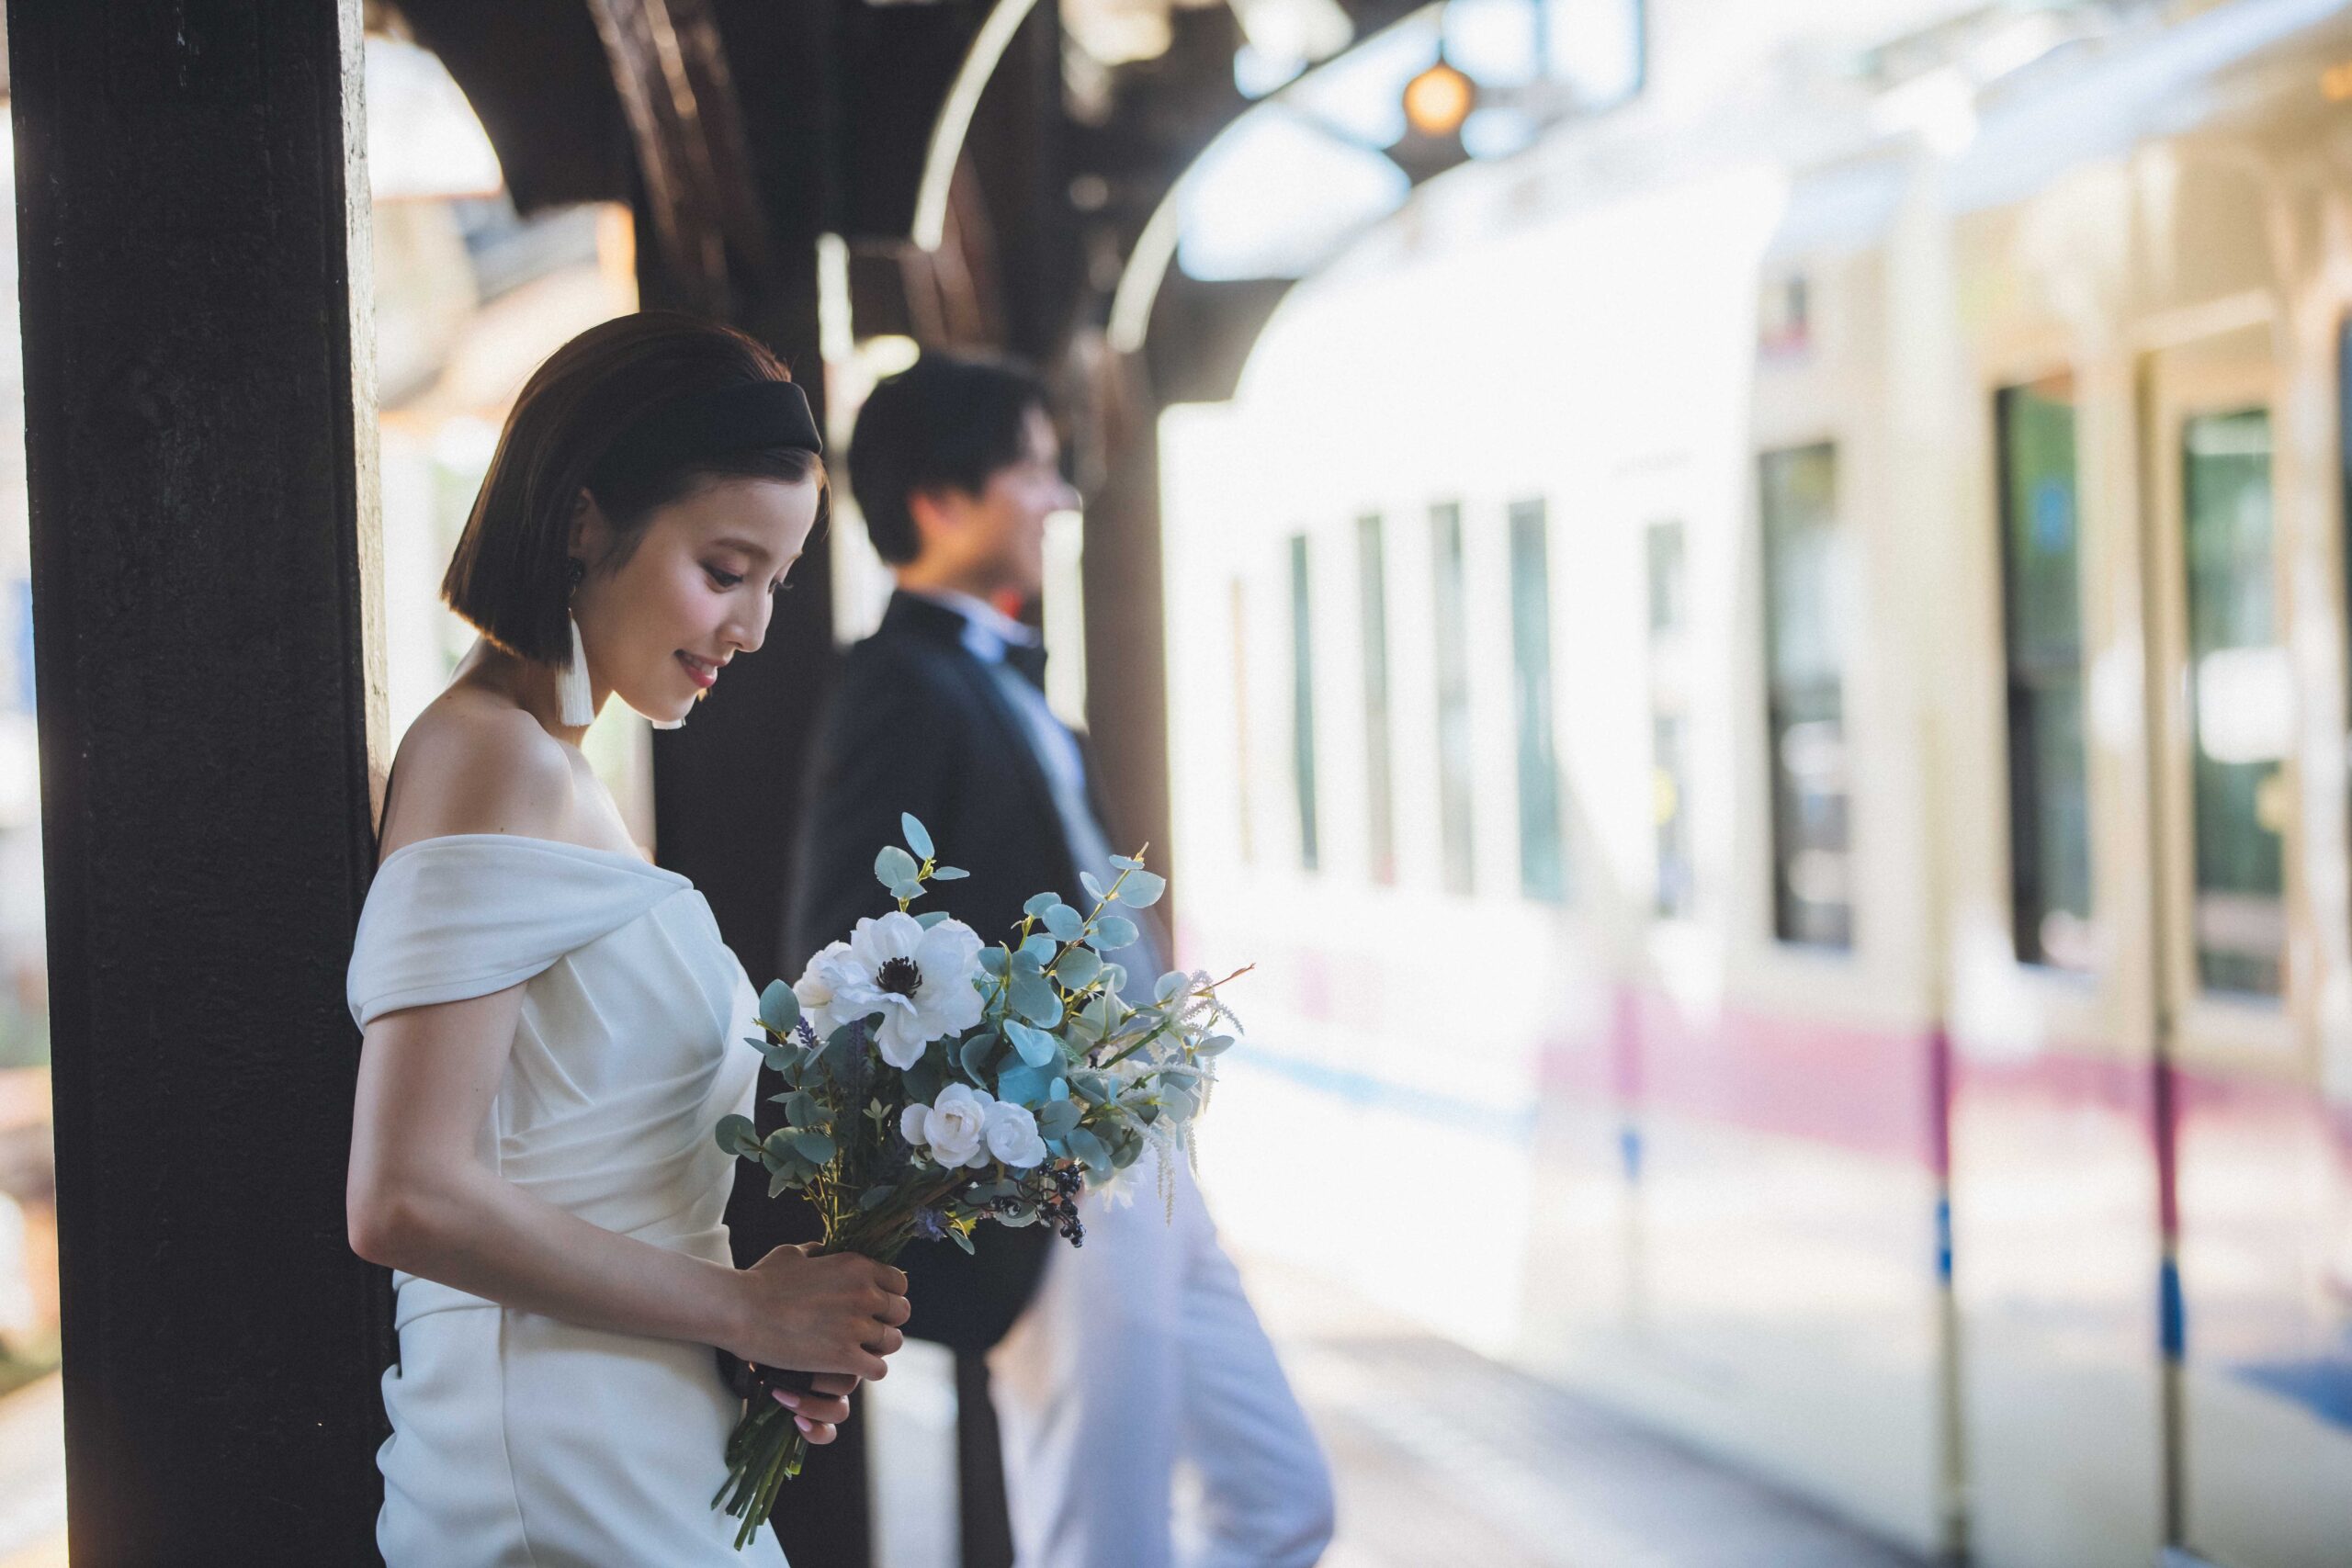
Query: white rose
954	1127
910	1123
1013	1135
819	987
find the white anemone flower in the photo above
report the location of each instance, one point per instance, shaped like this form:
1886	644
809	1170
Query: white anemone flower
919	981
819	988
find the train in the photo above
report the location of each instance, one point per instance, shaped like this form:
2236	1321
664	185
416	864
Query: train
1768	682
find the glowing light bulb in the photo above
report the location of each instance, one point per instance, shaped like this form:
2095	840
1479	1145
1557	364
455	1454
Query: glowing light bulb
1439	99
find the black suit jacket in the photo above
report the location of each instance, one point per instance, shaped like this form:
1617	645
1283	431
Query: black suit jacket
916	723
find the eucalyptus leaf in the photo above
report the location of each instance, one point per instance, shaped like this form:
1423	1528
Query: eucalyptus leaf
780	1183
949	873
779	1008
1042	947
1037	1046
1057	1119
907	891
1142	889
894	865
926	1078
1065	923
813	1147
737	1135
1215	1044
976	1054
992	959
1112	932
1024	1085
1039	903
777	1146
1088	1148
1127	863
874	1198
1169	985
1114	977
959	1238
801	1108
1037	1001
1017	1218
917	840
1078	967
931	918
1094	888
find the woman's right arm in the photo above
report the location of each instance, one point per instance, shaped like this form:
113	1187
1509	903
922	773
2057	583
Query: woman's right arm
420	1199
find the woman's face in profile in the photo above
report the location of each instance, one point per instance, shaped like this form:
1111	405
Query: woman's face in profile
697	588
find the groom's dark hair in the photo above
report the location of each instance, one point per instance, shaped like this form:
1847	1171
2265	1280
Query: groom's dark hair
948	422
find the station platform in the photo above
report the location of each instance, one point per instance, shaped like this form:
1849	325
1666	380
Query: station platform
1444	1459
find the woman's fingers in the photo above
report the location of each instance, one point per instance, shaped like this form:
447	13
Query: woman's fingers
886	1343
839	1384
893	1310
833	1411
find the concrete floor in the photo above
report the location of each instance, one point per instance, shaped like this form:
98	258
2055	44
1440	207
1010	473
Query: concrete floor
1443	1460
1446	1460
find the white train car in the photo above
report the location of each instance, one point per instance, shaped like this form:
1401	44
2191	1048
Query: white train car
1766	684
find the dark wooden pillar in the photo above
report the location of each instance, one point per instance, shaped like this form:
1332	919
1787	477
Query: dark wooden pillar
1126	652
199	432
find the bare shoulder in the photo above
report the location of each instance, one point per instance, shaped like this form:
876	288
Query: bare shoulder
472	764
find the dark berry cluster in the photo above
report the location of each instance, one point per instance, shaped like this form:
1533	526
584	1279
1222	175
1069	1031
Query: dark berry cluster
1059	1208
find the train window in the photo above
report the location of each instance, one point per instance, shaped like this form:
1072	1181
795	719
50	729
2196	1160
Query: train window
1805	699
2242	703
2050	857
1453	760
1302	702
1542	871
1372	584
1676	887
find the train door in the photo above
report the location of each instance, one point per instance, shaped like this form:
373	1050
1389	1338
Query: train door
2257	1447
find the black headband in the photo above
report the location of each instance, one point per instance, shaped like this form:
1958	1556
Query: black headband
741	418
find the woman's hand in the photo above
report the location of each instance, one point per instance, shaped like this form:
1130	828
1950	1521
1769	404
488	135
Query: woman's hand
819	1413
834	1314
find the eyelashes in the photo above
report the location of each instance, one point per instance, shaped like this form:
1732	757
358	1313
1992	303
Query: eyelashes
727	581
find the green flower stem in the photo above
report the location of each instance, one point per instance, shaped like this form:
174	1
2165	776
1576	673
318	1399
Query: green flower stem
767	1449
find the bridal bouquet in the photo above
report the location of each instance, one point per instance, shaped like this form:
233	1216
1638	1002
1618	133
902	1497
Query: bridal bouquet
933	1083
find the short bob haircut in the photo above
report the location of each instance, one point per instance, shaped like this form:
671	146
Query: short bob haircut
511	576
948	422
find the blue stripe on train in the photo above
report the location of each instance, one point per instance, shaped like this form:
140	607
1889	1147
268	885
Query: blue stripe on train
2172	1315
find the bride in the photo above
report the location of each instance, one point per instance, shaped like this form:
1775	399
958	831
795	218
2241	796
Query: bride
552	1026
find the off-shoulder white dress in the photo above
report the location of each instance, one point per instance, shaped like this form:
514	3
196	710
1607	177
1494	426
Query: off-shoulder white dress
519	1441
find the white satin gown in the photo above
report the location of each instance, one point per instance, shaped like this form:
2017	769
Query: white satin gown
520	1440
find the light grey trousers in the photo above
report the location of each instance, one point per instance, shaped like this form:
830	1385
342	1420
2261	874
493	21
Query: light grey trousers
1141	1355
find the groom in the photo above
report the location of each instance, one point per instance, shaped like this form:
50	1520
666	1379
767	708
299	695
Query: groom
1112	1361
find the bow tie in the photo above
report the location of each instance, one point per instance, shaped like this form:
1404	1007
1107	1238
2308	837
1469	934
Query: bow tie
1029	660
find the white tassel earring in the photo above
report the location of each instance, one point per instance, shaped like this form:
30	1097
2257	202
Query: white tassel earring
575	694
